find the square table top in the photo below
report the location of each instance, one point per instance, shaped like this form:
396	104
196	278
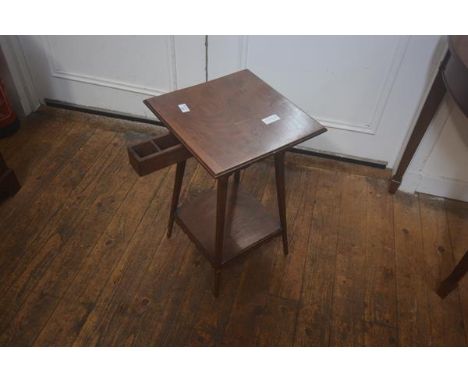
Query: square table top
222	124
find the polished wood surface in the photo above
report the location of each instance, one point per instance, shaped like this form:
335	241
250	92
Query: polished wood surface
224	128
433	100
452	76
281	197
219	227
451	282
456	71
179	176
155	154
84	258
246	222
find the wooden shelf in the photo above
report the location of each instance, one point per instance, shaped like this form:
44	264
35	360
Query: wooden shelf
248	224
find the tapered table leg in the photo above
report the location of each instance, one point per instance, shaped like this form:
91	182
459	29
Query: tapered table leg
451	282
222	185
237	177
433	100
179	175
281	195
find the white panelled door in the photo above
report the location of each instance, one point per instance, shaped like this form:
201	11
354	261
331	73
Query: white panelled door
113	72
366	89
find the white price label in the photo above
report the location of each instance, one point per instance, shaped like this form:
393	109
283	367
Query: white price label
184	108
270	119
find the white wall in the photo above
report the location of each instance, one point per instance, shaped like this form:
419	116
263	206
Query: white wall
113	72
440	165
365	89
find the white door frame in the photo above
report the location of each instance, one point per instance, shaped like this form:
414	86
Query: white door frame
19	73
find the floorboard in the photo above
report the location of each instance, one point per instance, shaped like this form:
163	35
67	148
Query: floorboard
380	302
457	220
348	304
414	321
447	327
85	261
314	313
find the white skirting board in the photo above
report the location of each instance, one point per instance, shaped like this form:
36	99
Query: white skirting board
440	165
439	186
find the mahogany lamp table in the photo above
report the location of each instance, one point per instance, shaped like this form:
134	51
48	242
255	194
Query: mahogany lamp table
228	124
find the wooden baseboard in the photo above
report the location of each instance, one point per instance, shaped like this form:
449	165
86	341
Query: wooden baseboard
103	112
340	158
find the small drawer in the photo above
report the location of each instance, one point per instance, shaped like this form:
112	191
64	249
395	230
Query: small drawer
157	153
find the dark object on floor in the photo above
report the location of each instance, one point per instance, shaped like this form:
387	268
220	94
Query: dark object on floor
451	282
452	76
9	184
10	129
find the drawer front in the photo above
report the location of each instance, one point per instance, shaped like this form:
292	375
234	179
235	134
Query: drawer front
157	153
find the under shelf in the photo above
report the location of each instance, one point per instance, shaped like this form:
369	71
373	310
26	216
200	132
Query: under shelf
248	223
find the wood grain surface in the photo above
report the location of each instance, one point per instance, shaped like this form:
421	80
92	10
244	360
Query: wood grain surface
224	128
84	258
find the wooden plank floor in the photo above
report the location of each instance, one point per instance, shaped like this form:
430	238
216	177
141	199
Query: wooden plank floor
84	259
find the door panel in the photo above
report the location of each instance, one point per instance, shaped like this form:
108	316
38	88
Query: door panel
113	72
